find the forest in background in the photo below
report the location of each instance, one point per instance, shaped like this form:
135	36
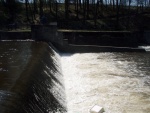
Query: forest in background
77	14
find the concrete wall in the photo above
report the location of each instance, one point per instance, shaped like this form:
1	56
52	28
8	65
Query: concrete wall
47	33
13	35
102	38
147	36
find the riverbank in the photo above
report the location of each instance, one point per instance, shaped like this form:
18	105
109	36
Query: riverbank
107	19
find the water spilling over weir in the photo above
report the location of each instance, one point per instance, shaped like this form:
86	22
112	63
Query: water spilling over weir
30	78
35	78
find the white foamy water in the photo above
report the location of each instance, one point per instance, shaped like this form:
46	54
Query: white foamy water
147	48
119	82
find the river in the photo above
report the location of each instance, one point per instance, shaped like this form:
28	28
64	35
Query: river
118	82
36	78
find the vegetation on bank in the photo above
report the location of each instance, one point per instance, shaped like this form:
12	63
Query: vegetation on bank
74	14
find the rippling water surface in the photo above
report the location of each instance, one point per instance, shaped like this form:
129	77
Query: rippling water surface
119	82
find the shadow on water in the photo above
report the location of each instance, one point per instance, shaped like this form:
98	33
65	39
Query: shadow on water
30	79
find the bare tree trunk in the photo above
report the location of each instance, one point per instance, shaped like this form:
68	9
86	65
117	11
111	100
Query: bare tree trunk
87	9
110	3
41	7
56	9
101	2
106	3
77	8
128	21
75	4
32	15
84	10
142	7
80	4
137	6
66	8
50	5
27	10
11	4
95	17
113	4
35	7
145	2
117	16
93	8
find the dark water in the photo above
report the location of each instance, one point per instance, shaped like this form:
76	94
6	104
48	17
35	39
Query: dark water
30	78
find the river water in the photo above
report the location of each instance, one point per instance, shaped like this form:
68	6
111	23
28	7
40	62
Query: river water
34	78
119	82
30	78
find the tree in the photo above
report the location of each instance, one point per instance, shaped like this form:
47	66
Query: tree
41	7
80	4
50	5
77	7
95	16
113	4
11	6
87	9
56	8
27	10
66	8
84	10
35	6
117	16
128	21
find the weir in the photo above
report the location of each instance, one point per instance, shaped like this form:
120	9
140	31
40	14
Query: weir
50	73
31	80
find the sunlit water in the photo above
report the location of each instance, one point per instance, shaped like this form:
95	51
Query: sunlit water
119	82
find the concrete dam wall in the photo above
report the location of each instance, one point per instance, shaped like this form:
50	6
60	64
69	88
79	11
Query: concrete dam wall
14	35
30	78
